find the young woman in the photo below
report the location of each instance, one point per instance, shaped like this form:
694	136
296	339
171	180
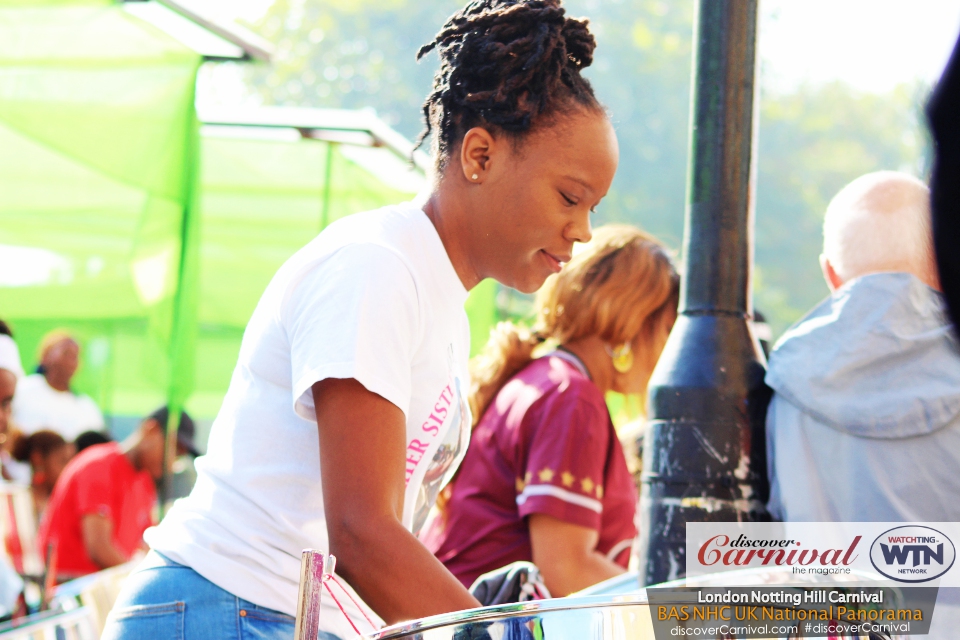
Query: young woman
346	411
545	478
47	453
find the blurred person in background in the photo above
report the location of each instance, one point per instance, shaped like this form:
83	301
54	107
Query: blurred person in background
90	438
864	424
105	497
942	110
545	478
346	412
11	370
47	453
45	399
11	373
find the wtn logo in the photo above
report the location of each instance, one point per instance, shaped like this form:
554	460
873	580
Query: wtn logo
897	554
912	554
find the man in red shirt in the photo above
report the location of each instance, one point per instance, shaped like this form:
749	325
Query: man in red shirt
103	500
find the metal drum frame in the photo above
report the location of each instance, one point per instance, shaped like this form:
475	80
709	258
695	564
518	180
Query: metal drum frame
573	618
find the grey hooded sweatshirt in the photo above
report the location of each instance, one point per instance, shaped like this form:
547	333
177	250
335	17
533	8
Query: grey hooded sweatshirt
864	424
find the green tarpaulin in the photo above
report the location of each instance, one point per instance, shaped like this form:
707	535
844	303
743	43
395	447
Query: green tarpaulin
122	222
98	148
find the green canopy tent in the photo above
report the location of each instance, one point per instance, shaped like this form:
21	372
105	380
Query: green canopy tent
98	148
149	240
269	180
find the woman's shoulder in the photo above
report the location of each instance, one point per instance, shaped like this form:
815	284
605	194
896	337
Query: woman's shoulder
387	227
551	384
551	404
368	247
362	268
559	375
388	222
395	241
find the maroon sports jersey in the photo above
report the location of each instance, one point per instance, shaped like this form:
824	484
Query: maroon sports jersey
545	445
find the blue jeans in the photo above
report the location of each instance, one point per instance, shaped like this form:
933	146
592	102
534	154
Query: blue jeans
163	600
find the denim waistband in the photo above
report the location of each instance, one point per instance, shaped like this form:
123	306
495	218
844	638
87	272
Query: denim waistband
155	559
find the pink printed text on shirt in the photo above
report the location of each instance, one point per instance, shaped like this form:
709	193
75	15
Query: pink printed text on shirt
430	431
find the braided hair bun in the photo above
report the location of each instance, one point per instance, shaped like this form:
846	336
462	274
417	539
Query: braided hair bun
507	65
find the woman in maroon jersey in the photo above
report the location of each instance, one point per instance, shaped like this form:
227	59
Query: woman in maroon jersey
545	479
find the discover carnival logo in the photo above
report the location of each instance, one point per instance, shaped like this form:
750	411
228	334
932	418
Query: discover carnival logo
912	553
742	551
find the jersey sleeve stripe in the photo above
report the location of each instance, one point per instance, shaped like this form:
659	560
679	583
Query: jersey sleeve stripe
532	490
619	548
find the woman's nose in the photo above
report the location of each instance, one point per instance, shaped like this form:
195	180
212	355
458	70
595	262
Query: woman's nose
580	229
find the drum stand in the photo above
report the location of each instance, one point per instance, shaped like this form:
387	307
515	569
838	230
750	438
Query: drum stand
314	569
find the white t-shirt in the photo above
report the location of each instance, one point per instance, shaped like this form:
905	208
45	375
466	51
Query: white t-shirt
375	298
37	406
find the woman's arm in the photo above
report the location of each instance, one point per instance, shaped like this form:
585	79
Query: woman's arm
566	555
362	448
97	532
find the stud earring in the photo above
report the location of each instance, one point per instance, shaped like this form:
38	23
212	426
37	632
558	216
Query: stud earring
474	177
622	357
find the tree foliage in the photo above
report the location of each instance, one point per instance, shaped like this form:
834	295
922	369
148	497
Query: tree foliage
812	143
360	53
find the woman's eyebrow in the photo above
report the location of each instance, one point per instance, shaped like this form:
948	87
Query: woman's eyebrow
579	181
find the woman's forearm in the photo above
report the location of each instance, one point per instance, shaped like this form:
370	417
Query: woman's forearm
394	573
573	573
566	555
97	533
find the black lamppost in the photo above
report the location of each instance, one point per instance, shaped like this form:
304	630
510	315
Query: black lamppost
704	450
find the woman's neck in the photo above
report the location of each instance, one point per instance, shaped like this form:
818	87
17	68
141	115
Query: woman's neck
593	354
447	213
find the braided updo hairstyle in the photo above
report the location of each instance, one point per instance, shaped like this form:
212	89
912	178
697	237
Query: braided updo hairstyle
507	65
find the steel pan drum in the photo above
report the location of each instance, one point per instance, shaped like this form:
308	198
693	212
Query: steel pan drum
624	617
616	609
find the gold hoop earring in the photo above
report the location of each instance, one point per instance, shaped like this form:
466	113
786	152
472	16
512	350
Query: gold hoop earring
622	357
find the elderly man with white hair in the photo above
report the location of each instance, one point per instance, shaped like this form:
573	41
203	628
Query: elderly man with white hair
864	424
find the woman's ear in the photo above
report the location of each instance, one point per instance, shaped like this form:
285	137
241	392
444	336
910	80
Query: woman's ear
476	151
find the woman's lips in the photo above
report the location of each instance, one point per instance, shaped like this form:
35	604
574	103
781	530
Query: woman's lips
555	262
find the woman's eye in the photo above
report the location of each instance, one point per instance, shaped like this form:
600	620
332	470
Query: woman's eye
570	201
